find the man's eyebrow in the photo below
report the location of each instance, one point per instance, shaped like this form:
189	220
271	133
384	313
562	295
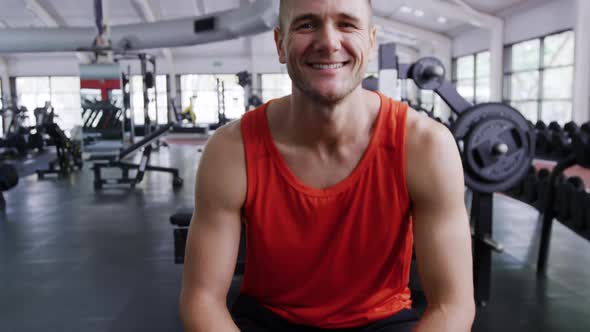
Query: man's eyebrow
350	17
309	16
303	17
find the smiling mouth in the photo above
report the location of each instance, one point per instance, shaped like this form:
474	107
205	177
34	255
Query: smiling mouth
325	66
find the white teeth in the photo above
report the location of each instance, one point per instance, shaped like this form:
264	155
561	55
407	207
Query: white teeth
330	66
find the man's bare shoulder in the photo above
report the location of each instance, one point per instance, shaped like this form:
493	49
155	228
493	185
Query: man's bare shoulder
228	135
433	163
226	143
424	134
221	175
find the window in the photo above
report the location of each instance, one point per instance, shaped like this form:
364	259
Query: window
539	77
204	92
471	76
275	86
233	96
482	77
33	92
137	100
162	101
65	99
427	99
200	92
62	91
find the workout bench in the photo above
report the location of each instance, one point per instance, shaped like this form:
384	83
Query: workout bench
142	167
182	220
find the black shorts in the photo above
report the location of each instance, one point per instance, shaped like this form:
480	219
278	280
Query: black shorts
250	316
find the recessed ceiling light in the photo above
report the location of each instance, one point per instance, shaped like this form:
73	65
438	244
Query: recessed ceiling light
442	20
476	23
418	13
405	9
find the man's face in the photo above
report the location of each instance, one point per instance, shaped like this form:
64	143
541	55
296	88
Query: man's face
326	45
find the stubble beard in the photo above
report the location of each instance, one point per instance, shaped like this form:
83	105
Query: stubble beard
307	89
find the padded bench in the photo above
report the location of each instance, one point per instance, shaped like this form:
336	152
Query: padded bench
8	180
182	220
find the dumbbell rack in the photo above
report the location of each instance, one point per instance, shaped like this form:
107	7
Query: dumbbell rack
549	212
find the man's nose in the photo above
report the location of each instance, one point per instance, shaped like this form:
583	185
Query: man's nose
328	39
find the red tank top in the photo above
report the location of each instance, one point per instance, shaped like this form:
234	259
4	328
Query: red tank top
336	257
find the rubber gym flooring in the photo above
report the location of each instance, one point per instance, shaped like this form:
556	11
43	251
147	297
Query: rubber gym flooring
75	260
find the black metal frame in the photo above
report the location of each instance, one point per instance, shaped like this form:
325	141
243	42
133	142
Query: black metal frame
141	167
481	219
69	156
549	213
481	216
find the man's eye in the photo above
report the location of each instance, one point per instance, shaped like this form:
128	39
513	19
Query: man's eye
347	25
305	26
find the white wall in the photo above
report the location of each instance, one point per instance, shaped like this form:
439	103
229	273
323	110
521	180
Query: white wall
4	78
39	65
552	17
470	42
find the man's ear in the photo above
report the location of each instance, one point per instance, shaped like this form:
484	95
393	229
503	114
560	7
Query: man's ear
373	42
279	44
373	37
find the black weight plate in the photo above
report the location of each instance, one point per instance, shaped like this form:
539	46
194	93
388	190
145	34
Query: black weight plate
479	145
523	151
424	74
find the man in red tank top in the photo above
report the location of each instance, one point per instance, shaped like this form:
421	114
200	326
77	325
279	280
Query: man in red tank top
334	185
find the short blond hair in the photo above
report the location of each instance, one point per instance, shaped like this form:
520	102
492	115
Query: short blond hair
283	13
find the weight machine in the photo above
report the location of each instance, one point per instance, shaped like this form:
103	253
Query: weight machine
496	144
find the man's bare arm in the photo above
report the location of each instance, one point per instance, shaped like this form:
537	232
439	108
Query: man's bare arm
214	234
441	227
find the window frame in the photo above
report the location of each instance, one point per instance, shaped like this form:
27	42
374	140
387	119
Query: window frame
474	79
541	69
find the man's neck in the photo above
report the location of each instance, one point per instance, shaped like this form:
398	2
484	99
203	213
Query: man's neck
331	126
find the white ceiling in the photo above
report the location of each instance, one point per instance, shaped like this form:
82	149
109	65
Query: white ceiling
78	13
492	6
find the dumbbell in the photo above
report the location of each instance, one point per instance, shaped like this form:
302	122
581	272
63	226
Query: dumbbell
543	140
543	188
554	126
571	128
579	210
526	190
581	147
561	144
586	207
530	189
560	141
540	125
564	195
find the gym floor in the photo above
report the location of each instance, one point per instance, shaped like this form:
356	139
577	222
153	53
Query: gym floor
75	260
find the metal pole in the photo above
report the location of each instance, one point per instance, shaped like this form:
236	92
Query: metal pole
147	122
481	219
